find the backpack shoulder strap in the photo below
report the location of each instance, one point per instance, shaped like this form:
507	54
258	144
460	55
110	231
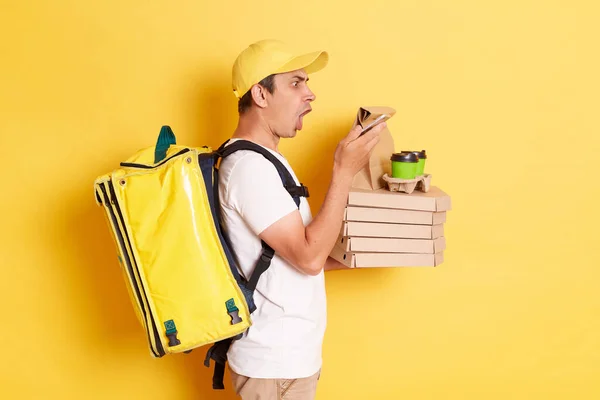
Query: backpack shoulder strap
294	190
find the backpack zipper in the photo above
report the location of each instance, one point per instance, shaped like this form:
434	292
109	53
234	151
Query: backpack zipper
145	166
130	265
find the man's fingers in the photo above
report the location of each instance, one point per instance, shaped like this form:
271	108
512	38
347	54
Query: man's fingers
373	132
354	132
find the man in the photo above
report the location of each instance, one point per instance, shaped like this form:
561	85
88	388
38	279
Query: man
279	357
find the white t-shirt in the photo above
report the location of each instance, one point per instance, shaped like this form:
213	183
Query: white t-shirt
285	339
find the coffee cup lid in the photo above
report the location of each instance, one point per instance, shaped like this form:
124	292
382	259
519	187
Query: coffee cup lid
405	156
421	154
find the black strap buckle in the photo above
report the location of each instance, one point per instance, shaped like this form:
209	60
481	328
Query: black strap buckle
301	191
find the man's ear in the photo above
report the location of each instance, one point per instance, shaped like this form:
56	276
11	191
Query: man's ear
259	95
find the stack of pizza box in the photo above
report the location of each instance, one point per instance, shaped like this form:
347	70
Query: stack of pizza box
382	228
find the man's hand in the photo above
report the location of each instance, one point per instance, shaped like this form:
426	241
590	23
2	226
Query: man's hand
308	248
353	152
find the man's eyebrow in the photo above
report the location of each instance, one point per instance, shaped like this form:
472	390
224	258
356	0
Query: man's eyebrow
302	78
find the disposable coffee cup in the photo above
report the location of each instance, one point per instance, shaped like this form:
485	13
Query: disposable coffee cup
404	165
421	163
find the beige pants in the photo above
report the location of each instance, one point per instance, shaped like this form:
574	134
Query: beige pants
275	389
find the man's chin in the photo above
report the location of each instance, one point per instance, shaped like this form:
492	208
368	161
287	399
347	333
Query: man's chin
293	133
288	135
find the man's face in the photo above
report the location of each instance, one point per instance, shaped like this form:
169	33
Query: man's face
289	103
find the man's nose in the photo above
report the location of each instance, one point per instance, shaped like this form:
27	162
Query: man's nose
310	96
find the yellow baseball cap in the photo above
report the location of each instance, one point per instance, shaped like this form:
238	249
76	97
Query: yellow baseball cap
270	56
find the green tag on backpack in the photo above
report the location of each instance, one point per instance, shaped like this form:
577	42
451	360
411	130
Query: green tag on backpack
231	307
170	327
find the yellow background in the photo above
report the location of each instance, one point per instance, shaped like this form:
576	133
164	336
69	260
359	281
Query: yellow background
502	95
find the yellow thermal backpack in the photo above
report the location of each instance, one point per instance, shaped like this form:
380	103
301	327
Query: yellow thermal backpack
162	207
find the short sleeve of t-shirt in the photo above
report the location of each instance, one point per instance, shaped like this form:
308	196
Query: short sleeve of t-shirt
256	191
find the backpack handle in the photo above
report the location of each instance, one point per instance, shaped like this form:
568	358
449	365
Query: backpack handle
166	138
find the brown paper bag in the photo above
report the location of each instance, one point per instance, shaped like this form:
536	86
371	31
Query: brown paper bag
370	177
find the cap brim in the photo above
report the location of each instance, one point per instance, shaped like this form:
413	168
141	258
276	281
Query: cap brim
311	62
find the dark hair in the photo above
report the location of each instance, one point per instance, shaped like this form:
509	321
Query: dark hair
246	101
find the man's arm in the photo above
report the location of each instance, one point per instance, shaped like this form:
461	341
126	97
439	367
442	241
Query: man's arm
307	248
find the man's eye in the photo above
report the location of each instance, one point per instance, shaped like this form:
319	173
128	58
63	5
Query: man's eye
295	83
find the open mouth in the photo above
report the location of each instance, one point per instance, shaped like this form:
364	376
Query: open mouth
300	122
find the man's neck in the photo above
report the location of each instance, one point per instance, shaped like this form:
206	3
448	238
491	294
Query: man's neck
255	129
